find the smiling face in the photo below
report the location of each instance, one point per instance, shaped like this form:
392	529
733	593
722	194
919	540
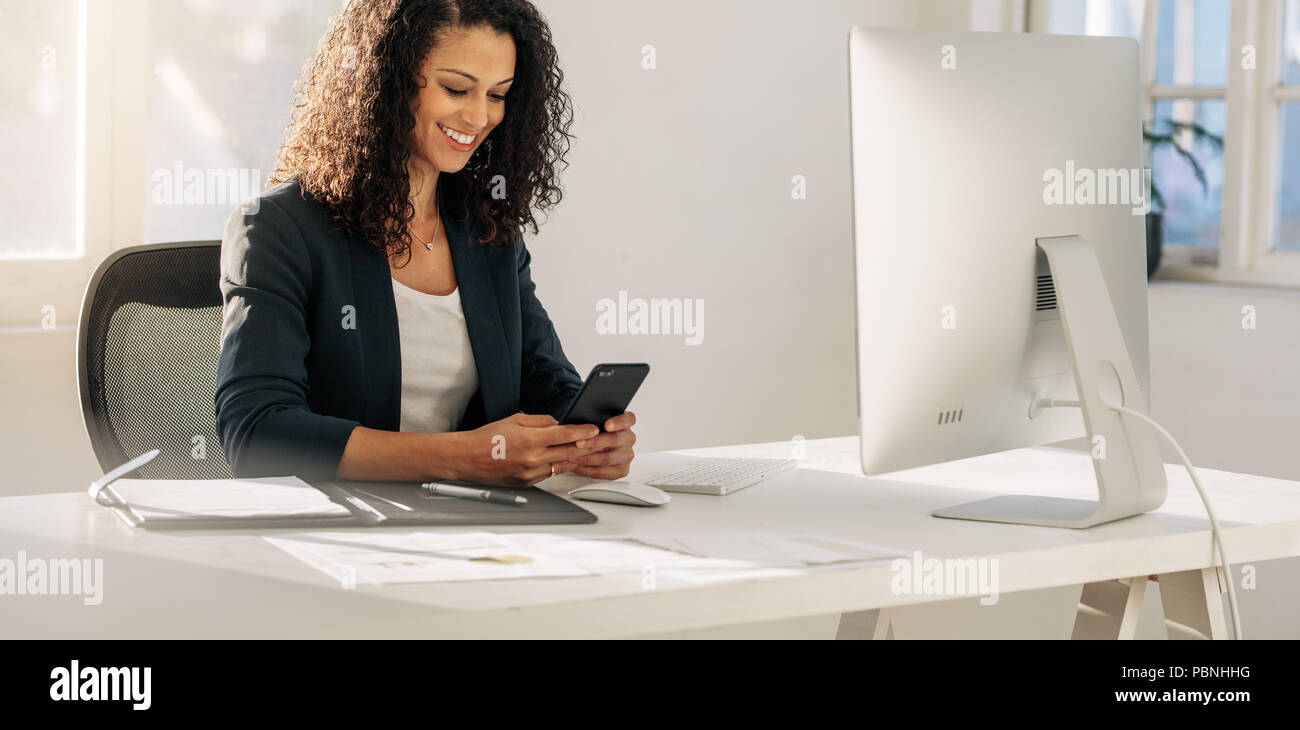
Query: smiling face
462	99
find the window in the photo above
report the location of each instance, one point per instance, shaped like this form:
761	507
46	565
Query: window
1286	235
1221	93
141	121
42	81
218	82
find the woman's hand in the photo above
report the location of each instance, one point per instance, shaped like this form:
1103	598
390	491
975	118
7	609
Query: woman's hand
613	454
519	451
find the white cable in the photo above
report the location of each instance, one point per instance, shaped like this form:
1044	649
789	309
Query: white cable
1214	522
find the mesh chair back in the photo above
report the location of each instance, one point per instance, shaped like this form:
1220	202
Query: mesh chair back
147	348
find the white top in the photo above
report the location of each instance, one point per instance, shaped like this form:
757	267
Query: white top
438	373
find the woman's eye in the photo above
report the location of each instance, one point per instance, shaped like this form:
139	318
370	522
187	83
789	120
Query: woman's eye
460	92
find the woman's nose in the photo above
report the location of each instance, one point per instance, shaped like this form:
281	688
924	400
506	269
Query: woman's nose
476	115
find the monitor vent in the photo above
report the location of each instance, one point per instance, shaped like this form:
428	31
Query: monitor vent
1045	294
949	417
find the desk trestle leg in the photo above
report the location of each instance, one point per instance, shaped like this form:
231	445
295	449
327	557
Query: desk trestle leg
1192	599
1194	604
1110	609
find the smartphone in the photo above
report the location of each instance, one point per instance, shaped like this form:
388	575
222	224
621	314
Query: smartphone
606	393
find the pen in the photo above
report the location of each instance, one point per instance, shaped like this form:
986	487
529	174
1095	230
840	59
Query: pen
485	495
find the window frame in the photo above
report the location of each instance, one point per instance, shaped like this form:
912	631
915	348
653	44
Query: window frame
1252	102
1181	262
30	283
1262	95
1252	144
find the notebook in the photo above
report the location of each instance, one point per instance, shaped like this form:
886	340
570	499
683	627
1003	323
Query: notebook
274	502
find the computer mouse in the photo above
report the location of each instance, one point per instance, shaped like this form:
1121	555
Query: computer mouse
622	492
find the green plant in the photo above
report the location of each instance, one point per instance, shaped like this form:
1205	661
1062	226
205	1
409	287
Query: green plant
1180	131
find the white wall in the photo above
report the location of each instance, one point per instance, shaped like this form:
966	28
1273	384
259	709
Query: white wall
680	187
1228	394
43	444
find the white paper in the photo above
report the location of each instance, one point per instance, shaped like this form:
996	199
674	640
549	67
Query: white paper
771	555
771	549
418	557
430	557
162	499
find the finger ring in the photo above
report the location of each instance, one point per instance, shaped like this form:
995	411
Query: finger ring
552	470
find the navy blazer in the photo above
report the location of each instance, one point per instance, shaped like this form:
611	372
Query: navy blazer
309	340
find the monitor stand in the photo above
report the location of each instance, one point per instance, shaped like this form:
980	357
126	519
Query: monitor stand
1130	473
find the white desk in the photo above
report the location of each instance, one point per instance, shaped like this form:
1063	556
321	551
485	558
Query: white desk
234	584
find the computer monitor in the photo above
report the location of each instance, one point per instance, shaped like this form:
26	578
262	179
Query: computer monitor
998	216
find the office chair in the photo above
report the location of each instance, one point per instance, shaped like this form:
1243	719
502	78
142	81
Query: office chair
147	347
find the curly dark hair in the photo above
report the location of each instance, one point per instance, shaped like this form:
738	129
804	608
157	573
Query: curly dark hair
348	140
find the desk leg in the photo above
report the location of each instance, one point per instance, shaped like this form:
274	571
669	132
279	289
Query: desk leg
886	618
1193	601
875	623
1110	609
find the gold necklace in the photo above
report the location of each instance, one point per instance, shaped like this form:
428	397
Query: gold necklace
428	244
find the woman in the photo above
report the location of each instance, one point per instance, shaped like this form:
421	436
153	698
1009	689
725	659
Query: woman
380	319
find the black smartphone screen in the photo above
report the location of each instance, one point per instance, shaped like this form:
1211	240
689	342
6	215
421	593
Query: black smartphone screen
606	393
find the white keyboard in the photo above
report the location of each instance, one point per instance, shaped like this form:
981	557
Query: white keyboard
717	475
